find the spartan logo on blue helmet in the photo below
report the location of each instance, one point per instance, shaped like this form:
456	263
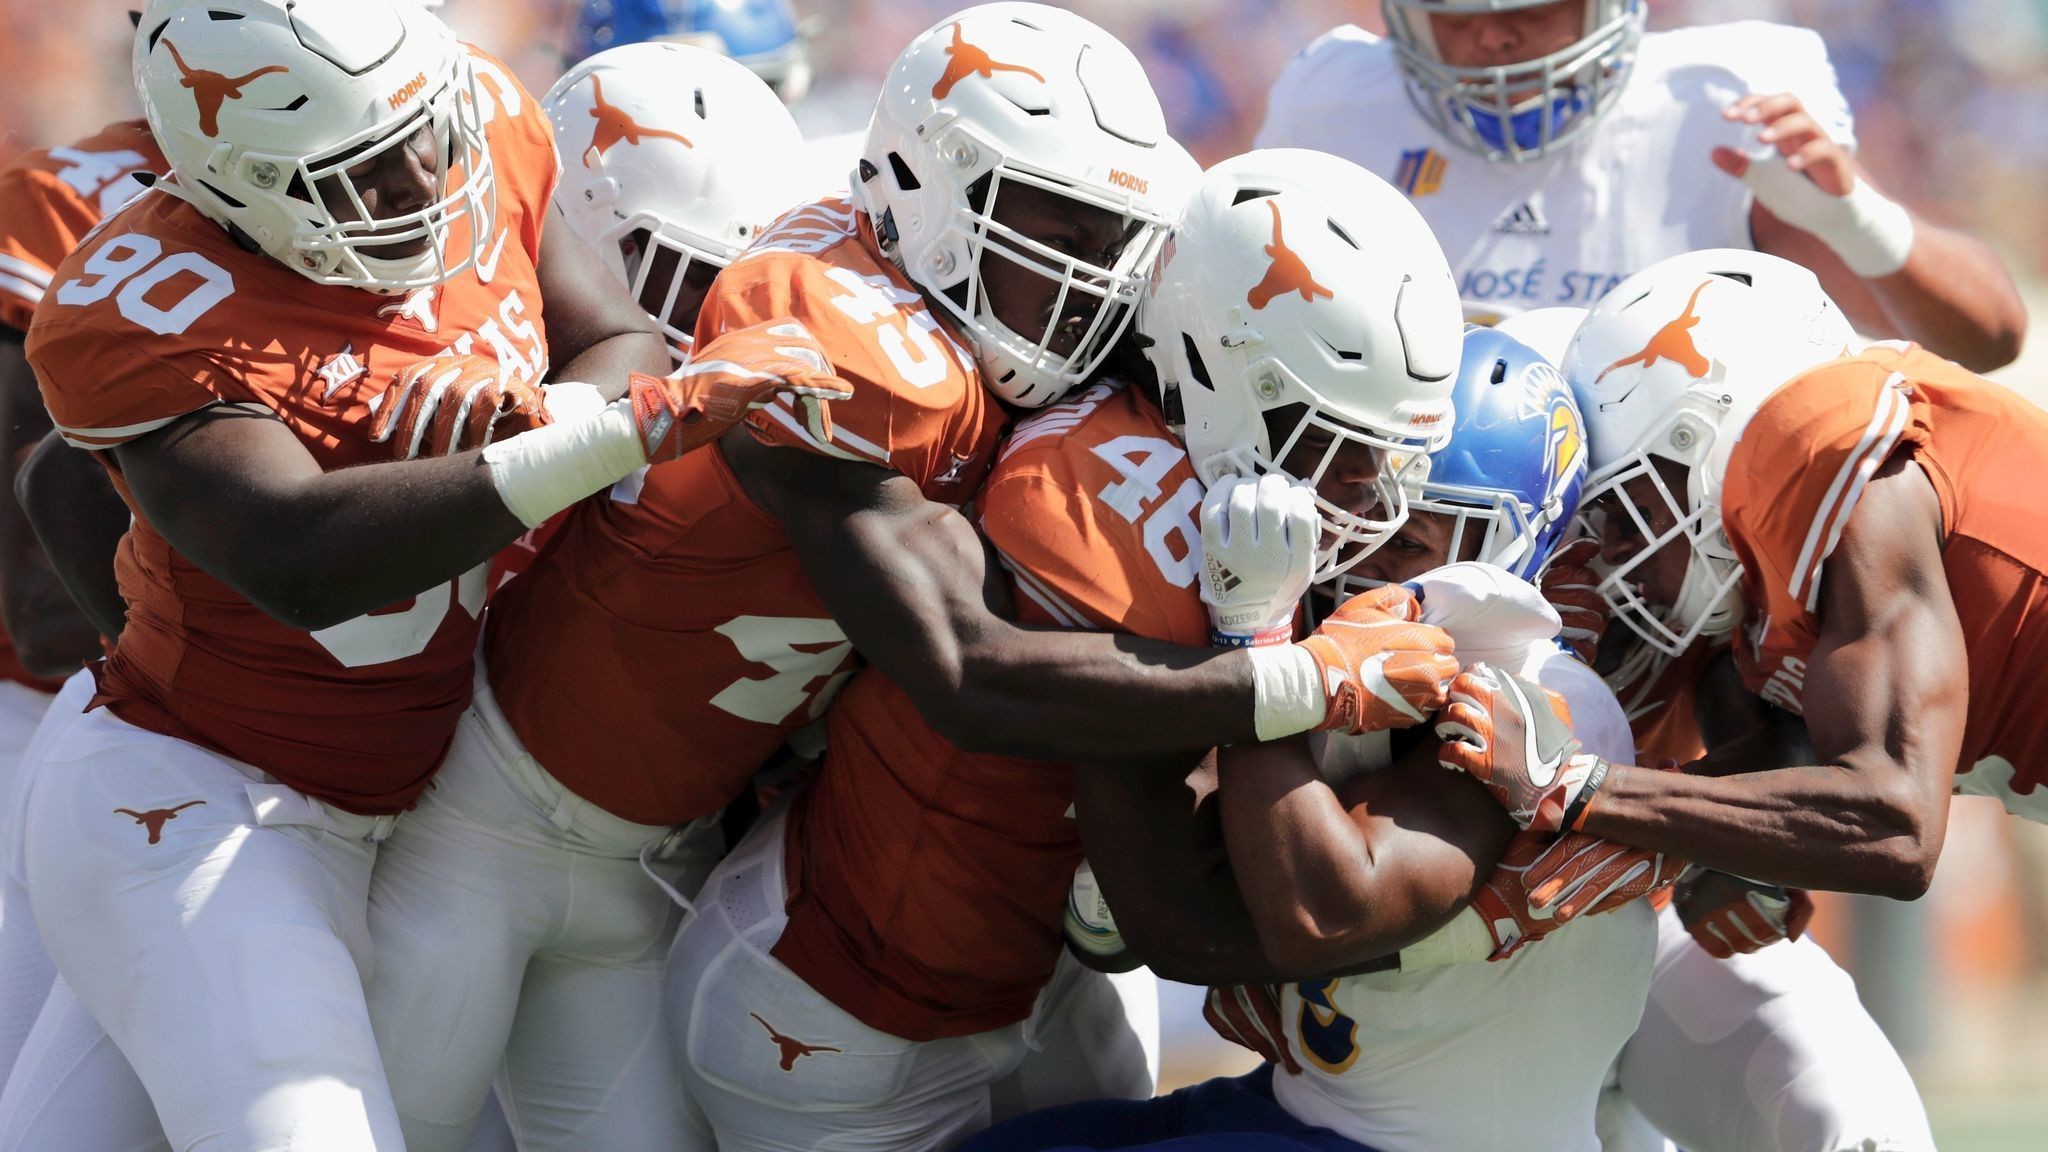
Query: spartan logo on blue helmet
1513	109
1516	461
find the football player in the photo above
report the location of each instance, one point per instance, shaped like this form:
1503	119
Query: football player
1556	148
370	196
1855	526
877	957
1372	856
686	572
515	931
49	199
1738	988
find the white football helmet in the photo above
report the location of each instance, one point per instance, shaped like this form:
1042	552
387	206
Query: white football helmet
1300	282
1670	365
1527	109
263	108
1015	94
673	159
1548	331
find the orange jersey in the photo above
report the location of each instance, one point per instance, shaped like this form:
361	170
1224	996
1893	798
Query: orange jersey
667	640
1794	480
927	884
159	314
50	198
1662	716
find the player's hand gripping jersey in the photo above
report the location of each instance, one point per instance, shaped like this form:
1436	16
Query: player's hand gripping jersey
668	640
1793	481
1564	229
927	885
161	313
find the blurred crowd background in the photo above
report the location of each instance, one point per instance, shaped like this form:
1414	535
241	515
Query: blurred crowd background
1951	102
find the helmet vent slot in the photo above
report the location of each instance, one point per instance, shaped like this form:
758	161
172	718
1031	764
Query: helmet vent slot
1341	353
1742	278
1341	234
1248	194
904	179
1499	375
700	103
1196	368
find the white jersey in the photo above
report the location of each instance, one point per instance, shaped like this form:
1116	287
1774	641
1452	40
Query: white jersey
1481	1056
1564	229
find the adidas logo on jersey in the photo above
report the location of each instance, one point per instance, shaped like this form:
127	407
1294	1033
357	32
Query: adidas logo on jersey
1525	220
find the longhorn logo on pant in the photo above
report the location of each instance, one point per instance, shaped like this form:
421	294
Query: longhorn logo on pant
1289	273
964	60
792	1049
211	89
156	818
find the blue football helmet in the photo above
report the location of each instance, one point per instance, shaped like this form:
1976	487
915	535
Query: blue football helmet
1524	110
1516	462
764	35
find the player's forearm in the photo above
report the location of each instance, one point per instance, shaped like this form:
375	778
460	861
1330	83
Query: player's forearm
1152	840
608	362
317	548
1080	695
77	519
1341	878
1956	298
1812	826
1306	870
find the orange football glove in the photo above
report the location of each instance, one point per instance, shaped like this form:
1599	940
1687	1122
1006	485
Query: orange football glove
1380	668
1573	588
1728	914
1248	1015
1504	904
739	371
452	404
1580	875
1508	734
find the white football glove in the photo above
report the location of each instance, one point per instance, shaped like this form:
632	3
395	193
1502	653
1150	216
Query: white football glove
1259	538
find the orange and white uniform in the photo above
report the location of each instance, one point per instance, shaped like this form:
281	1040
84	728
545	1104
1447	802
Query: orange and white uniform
161	314
198	843
1793	482
49	198
1773	1049
680	571
897	929
658	650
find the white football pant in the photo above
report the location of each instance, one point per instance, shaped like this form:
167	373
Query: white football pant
214	923
776	1067
512	921
1766	1052
25	968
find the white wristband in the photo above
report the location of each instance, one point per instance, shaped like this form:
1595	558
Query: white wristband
541	472
1287	691
1872	233
1464	940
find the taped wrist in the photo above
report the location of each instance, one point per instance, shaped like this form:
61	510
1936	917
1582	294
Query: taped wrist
1287	691
543	471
